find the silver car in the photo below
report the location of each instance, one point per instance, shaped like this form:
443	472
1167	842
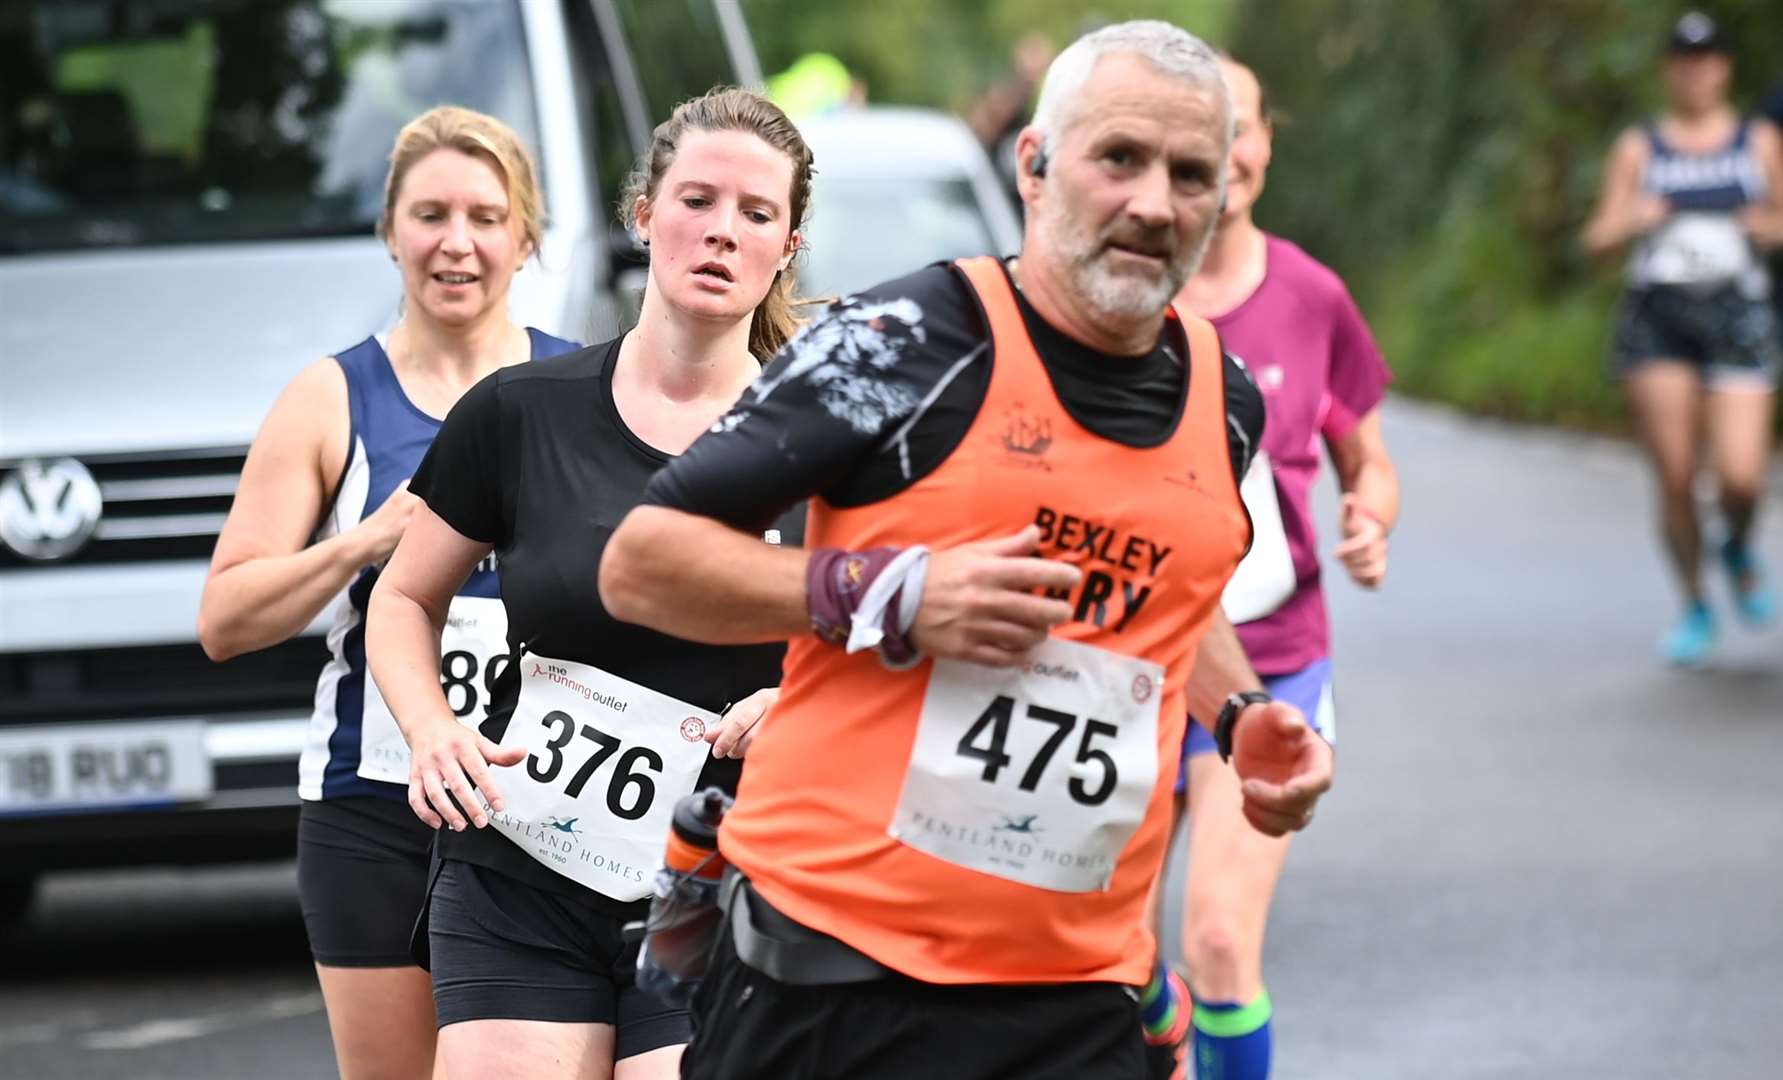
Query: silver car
896	189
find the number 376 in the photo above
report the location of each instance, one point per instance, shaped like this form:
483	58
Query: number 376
984	742
627	775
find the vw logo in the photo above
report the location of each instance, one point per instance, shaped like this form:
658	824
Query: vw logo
48	509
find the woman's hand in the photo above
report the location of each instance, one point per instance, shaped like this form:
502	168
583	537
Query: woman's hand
449	761
733	738
383	529
1646	213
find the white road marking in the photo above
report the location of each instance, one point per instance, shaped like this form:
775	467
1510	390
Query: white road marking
47	1030
158	1032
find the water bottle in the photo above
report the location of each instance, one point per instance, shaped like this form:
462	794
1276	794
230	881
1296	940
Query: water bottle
684	915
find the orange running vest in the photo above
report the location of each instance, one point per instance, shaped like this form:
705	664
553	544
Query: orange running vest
1157	532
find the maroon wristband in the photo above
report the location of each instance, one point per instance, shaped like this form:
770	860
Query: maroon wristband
836	581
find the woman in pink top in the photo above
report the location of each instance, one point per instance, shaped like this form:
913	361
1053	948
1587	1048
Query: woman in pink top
1293	324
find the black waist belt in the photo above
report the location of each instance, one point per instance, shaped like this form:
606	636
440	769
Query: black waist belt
787	951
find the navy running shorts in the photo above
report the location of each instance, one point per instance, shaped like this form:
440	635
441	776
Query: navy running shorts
1730	337
361	879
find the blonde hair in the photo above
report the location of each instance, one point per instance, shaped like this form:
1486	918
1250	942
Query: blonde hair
467	131
727	108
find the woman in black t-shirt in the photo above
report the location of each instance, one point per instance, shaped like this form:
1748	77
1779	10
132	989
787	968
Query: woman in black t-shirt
559	807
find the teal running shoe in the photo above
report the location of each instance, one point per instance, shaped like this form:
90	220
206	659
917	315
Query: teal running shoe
1753	596
1687	644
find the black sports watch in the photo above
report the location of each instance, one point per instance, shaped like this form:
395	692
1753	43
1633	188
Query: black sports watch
1228	718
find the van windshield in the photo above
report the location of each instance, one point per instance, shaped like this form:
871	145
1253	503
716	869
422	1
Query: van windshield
145	122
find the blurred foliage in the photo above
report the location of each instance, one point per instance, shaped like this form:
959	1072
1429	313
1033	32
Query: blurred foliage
942	53
1443	155
1440	154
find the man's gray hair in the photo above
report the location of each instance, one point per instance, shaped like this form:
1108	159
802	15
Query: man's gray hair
1172	50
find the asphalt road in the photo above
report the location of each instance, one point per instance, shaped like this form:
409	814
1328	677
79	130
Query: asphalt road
1547	855
163	974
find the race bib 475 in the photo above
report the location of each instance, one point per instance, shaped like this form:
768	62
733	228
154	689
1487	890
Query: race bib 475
1039	774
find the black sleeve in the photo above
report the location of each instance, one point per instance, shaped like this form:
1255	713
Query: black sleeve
848	382
1244	416
460	478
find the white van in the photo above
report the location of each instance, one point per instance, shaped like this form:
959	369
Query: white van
187	195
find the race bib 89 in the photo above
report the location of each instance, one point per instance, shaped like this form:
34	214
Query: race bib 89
473	654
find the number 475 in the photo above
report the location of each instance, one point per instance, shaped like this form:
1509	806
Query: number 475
985	739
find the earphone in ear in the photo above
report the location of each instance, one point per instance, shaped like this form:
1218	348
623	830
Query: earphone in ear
1037	167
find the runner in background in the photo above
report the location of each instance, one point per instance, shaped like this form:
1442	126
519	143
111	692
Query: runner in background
1293	324
322	502
1024	506
1695	193
998	115
814	84
601	725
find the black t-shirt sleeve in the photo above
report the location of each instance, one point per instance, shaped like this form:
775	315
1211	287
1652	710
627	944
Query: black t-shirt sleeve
843	387
1244	416
460	477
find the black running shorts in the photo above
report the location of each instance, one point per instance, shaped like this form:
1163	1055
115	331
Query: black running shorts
1729	337
502	949
361	879
750	1027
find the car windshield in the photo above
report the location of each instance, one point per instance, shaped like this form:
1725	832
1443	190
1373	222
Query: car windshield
678	49
142	122
867	230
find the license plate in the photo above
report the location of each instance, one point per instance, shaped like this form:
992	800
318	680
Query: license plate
92	766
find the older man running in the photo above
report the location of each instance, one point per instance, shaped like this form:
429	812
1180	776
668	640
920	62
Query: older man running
1024	505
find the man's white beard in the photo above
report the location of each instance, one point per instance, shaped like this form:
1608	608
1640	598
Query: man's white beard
1110	293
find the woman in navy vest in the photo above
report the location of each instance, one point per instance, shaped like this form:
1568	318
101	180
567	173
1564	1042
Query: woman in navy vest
323	500
1695	195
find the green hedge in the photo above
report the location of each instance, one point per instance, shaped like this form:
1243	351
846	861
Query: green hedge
941	53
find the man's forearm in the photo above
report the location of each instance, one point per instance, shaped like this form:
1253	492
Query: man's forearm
701	580
1221	669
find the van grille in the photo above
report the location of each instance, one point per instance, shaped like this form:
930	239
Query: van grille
159	506
157	680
